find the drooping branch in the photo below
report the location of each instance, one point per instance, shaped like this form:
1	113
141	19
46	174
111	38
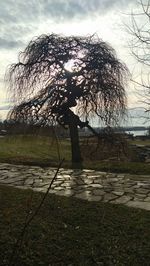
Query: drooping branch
45	90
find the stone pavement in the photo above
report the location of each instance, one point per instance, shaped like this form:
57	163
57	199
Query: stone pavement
89	185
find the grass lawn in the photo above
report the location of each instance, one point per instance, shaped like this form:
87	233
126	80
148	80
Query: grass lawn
43	151
68	231
141	142
32	149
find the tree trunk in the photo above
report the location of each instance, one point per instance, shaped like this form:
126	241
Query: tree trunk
75	146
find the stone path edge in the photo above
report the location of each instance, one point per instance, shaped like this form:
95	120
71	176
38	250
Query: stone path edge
91	185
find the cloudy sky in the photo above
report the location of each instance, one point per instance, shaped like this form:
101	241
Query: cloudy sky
20	21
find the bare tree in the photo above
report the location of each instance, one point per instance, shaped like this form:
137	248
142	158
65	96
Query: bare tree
67	80
140	47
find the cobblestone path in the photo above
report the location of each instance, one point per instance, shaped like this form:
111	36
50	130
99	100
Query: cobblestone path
89	185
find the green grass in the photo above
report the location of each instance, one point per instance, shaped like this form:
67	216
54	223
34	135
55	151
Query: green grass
141	142
32	149
43	151
68	231
135	168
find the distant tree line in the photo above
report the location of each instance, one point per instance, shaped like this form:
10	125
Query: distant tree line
15	127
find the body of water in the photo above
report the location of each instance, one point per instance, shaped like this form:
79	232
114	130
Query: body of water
138	132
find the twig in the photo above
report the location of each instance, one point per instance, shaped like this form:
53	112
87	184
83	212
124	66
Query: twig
27	223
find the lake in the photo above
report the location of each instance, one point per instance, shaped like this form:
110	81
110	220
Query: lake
138	132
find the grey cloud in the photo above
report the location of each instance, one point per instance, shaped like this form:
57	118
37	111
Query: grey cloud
34	10
9	44
18	18
12	35
5	107
71	9
16	21
1	80
18	30
16	11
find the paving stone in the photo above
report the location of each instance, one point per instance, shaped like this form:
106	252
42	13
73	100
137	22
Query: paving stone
44	186
142	191
142	184
85	187
58	188
66	172
65	176
80	196
129	190
137	199
112	180
108	197
23	187
28	176
29	182
93	177
78	190
108	189
118	186
143	178
67	193
84	176
96	186
4	172
111	176
52	191
141	196
127	186
80	182
46	176
98	181
18	183
122	200
122	176
145	186
12	175
88	181
34	167
5	181
100	173
83	195
57	183
65	184
94	198
88	171
35	184
46	180
11	181
68	187
121	182
2	178
147	199
118	193
130	183
98	192
135	187
39	189
86	184
76	173
139	204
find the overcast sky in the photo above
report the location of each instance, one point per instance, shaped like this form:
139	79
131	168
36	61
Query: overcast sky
20	21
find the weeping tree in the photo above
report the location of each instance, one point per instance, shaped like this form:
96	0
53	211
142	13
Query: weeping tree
66	81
